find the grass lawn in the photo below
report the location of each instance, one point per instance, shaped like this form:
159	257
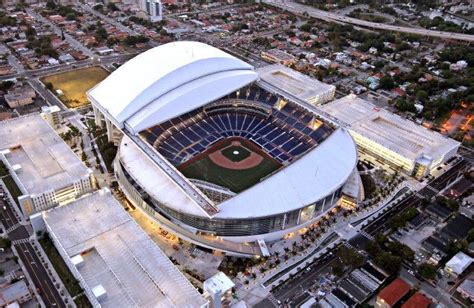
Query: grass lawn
71	284
82	301
235	153
3	169
12	187
74	84
236	180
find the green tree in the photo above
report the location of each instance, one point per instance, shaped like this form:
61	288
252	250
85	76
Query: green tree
71	16
386	83
350	256
5	243
50	5
403	105
338	270
422	95
112	7
101	34
390	263
49	86
470	235
427	271
306	27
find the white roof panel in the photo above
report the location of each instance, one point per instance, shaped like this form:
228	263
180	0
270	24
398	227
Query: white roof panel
392	131
118	256
41	159
143	80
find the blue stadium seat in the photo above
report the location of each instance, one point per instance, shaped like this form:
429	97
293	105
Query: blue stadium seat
283	135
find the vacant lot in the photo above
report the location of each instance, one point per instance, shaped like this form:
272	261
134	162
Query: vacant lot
74	84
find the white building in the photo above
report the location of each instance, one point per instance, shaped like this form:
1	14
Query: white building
45	169
217	288
115	261
458	264
153	8
51	114
398	141
297	84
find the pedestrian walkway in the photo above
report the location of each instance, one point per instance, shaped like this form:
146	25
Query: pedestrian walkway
22	241
12	228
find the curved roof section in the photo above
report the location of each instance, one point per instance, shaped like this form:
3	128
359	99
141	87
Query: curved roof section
167	81
307	180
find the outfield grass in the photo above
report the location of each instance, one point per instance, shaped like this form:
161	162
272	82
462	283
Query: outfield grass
74	84
236	180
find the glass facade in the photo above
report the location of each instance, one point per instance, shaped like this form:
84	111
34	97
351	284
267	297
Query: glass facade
230	227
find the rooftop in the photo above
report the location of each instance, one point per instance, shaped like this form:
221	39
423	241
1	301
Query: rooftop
119	259
295	83
13	292
439	210
392	131
467	286
394	292
459	263
46	162
458	227
167	81
417	300
219	283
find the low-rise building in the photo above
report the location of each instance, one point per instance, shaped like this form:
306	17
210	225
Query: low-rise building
20	96
466	289
438	211
17	292
218	288
417	300
51	114
458	264
278	56
392	294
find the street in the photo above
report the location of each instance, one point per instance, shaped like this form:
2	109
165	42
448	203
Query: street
19	236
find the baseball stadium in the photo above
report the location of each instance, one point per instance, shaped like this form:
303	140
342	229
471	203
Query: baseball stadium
216	155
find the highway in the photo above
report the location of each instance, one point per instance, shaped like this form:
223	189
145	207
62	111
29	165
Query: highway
19	236
301	9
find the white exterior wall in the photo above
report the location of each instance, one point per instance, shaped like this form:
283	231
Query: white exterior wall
49	199
323	97
373	147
